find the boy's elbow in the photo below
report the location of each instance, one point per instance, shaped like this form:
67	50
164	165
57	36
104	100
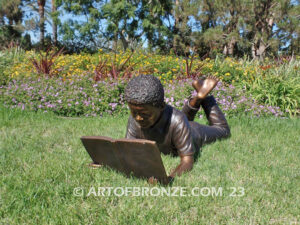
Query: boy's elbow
227	132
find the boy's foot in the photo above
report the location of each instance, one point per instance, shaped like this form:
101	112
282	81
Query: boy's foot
204	87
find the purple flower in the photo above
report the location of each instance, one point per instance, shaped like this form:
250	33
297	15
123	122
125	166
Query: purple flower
113	105
86	103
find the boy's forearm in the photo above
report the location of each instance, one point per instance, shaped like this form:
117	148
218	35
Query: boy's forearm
186	164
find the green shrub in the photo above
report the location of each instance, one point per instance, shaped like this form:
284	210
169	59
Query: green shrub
7	59
279	87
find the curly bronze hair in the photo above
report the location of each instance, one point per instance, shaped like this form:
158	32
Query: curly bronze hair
145	89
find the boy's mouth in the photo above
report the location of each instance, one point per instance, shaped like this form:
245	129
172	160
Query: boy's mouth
143	124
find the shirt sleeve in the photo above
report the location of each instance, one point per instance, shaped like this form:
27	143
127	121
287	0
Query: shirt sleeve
182	136
131	131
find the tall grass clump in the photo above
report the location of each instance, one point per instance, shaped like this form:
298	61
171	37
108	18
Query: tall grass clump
279	86
8	58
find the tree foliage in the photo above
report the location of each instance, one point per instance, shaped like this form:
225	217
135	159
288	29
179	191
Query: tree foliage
231	27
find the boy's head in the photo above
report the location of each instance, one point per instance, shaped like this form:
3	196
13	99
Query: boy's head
145	97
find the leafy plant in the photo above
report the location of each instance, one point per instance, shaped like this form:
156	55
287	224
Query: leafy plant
277	91
44	64
115	70
100	71
8	58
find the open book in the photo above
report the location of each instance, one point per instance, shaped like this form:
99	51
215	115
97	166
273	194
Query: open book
138	157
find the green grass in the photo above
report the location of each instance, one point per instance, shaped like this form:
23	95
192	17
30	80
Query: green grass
42	161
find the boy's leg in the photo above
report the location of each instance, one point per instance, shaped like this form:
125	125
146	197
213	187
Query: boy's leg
218	126
189	111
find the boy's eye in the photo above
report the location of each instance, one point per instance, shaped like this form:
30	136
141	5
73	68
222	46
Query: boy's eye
141	115
145	115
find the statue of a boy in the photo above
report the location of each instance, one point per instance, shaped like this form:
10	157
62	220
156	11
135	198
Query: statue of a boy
174	131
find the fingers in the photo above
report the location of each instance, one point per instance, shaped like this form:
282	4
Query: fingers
152	180
94	165
164	181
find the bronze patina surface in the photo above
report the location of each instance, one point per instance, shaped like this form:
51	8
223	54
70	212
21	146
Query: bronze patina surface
174	131
140	158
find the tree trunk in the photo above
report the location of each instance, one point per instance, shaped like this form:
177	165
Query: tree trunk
261	50
264	14
176	25
41	4
54	25
115	42
225	50
229	47
253	51
125	41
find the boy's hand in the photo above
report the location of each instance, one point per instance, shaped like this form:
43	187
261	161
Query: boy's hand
186	164
168	180
94	165
152	180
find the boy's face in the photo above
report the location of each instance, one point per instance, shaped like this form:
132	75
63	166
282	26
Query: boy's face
146	115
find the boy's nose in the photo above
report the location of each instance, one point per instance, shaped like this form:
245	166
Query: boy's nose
139	118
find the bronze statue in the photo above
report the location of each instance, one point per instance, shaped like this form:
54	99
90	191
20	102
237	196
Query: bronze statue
173	131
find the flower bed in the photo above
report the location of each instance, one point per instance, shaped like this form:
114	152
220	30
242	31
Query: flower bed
78	82
84	97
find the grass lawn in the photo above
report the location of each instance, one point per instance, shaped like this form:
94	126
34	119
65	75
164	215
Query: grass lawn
42	160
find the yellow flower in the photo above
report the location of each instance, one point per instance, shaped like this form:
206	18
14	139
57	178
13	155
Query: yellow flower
227	74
